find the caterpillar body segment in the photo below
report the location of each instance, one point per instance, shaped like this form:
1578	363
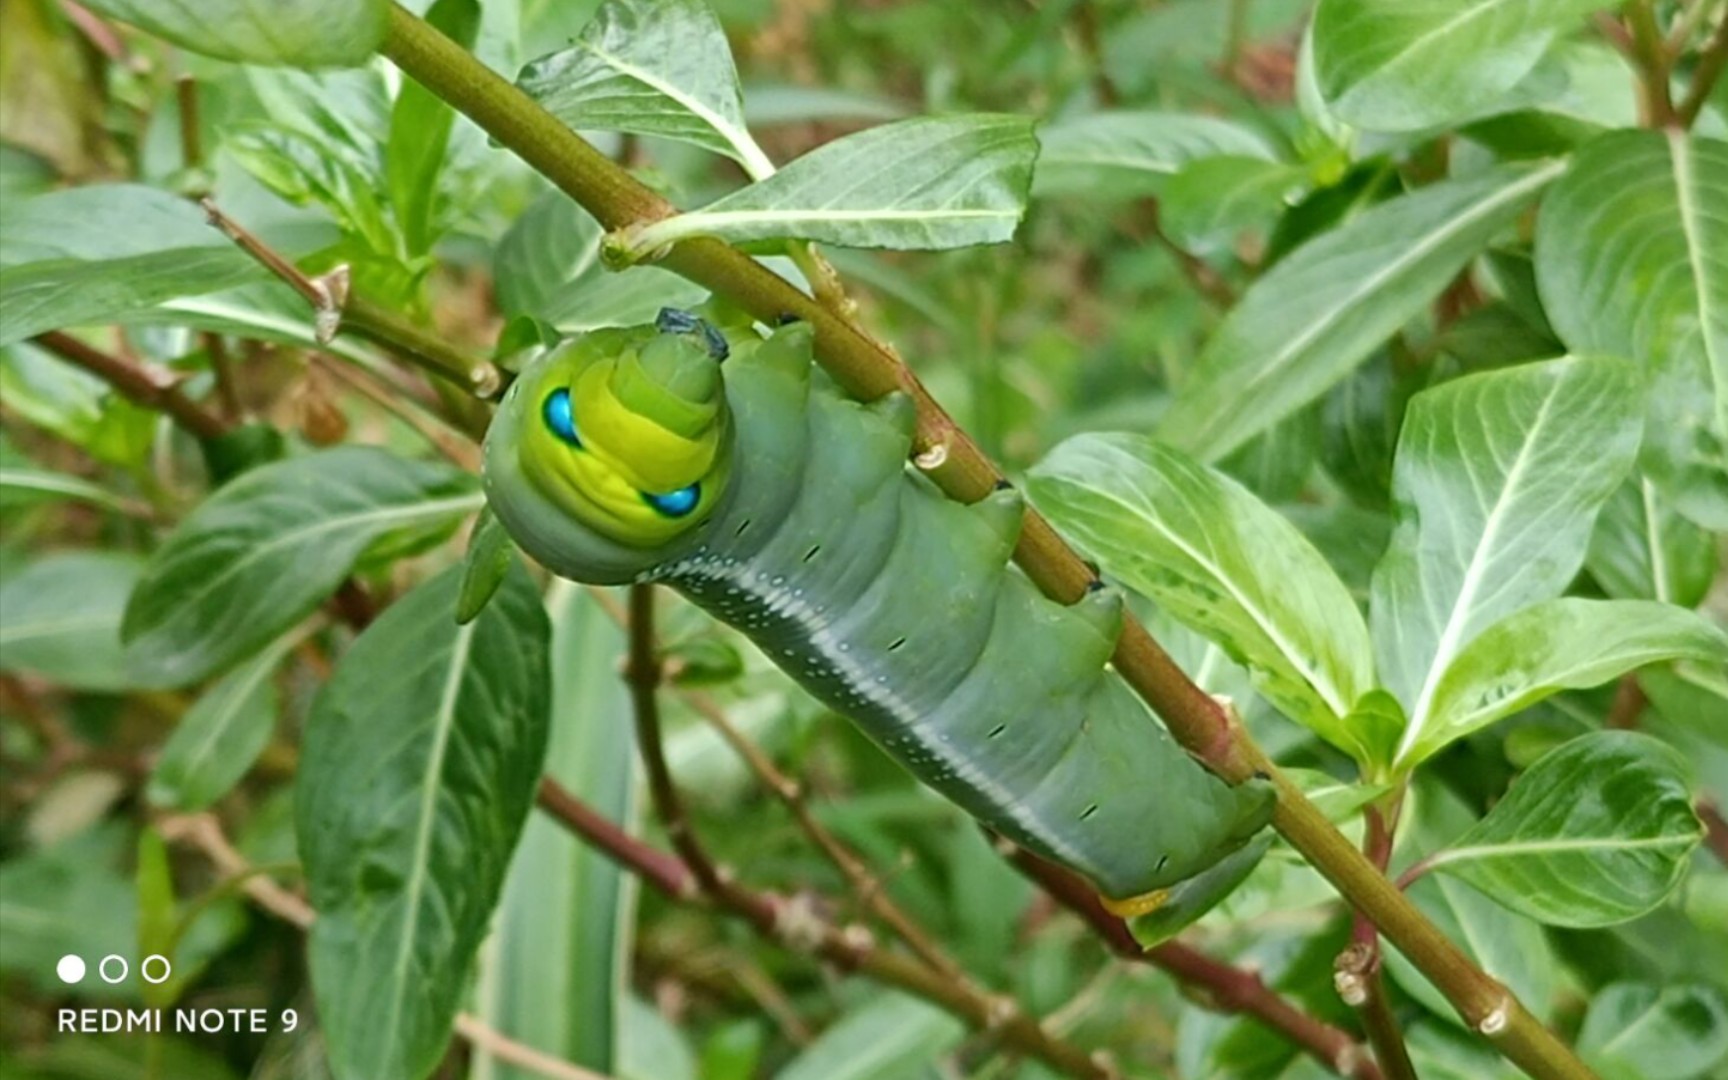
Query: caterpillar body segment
889	602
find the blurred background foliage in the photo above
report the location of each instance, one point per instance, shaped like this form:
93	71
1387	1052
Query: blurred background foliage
1087	321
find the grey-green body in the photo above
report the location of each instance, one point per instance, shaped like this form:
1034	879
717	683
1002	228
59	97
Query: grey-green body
899	608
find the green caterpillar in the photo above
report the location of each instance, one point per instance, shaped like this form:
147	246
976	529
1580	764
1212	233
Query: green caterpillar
789	511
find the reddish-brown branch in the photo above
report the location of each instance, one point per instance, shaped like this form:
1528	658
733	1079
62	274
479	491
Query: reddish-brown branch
1225	988
148	386
797	924
1715	830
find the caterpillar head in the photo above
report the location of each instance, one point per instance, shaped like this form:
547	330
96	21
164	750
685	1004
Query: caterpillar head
614	447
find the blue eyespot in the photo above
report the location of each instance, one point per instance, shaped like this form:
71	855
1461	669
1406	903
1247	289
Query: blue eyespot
675	504
560	418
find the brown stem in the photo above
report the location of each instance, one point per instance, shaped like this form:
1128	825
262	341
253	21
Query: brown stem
1223	987
1715	830
1628	706
202	831
956	464
1711	62
335	308
797	924
151	387
1359	976
642	671
1655	65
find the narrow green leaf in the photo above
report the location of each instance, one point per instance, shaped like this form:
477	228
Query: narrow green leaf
1208	204
490	553
1507	946
1597	832
420	127
548	266
1632	260
156	913
1129	153
1497	483
555	973
24	483
266	549
293	33
651	67
1689	711
1655	1032
420	764
60	619
93	254
928	183
1223	563
1404	65
1554	645
221	735
1324	308
888	1039
1643	549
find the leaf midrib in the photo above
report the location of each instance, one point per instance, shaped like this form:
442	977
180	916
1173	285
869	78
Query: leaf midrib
431	508
445	722
1331	696
1368	286
1448	645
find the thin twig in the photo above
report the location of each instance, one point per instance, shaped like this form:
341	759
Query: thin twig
152	387
334	308
864	883
1655	64
1358	973
796	923
1221	986
203	832
1711	62
388	398
1715	830
642	671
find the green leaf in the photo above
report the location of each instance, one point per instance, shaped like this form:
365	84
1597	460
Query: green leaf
1690	713
24	483
60	619
1497	483
651	67
490	553
93	254
548	266
1223	563
1644	550
1324	308
1130	153
1632	260
1655	1032
556	970
1597	832
1211	202
221	735
266	549
420	763
890	1038
1507	946
291	33
923	184
1554	645
1404	65
420	127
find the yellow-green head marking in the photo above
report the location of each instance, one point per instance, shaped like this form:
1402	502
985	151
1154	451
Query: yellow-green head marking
628	432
